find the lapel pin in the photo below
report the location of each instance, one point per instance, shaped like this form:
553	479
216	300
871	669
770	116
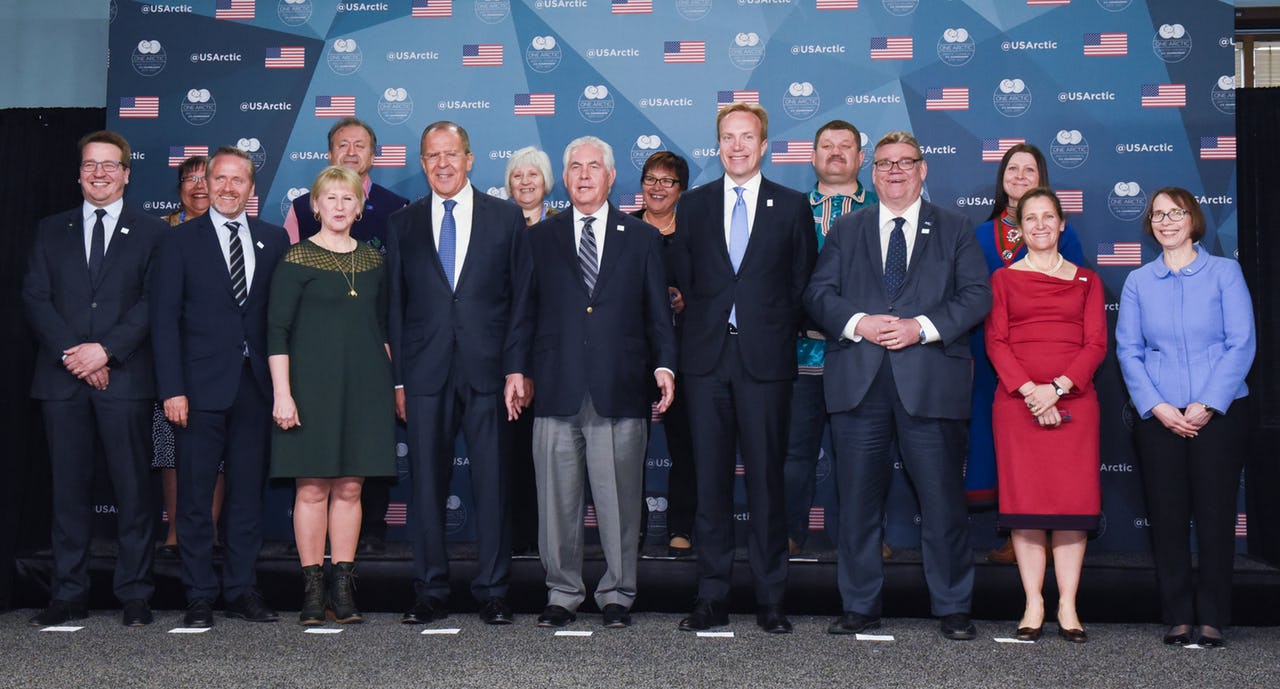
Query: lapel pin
768	203
620	228
260	245
924	230
124	230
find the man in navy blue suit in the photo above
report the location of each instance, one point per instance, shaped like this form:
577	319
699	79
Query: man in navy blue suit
896	291
85	294
208	324
594	330
748	247
450	261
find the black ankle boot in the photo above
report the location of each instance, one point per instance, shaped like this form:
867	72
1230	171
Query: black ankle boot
342	593
314	596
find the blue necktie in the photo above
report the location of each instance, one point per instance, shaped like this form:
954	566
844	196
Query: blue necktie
738	236
448	240
895	261
587	259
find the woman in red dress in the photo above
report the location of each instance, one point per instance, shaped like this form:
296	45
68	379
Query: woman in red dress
1046	335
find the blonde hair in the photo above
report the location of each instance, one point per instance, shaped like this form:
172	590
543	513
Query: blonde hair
336	174
750	109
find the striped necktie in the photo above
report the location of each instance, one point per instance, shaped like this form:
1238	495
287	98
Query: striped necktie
587	258
239	286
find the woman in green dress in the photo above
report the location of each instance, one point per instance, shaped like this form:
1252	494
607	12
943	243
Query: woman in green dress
334	402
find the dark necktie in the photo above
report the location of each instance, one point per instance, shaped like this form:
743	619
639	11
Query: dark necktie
97	244
738	236
895	261
448	240
587	258
239	286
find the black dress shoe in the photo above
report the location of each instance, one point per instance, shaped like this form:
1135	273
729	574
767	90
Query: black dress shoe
1178	635
706	614
136	613
616	616
1029	633
425	610
958	627
59	612
495	611
199	614
555	616
773	619
853	623
167	550
250	606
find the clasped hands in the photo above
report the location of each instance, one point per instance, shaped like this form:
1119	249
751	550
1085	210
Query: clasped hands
890	332
88	362
1185	424
1042	402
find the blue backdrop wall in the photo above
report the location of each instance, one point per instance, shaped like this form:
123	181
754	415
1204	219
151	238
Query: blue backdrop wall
1124	96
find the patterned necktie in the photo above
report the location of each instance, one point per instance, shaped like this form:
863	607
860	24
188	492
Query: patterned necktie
895	261
97	244
239	286
738	236
448	240
587	258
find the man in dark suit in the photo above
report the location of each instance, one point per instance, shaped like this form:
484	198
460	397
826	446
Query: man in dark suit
208	323
593	324
450	262
85	294
897	289
749	245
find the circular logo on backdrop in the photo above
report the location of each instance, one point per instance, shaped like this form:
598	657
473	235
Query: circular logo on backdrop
1115	5
395	105
543	54
498	193
1102	523
198	108
1126	201
595	104
644	147
746	51
1069	149
112	11
492	11
956	47
148	58
693	10
345	57
294	12
1223	95
455	515
256	152
1171	43
1012	98
289	196
822	469
900	8
801	101
1129	414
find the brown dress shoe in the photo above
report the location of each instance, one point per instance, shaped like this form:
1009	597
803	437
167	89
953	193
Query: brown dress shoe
1004	554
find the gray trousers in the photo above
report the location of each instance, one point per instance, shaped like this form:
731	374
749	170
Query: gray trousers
568	451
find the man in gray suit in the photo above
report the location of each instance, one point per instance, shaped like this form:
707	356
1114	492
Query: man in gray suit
896	291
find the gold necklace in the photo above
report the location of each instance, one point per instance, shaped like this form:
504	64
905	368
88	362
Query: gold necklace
351	281
1038	269
663	230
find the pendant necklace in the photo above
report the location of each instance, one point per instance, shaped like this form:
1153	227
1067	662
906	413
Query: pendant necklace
351	281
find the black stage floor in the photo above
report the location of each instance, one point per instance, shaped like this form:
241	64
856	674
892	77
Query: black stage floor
1114	587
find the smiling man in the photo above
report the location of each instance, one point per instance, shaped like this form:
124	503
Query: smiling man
208	324
897	289
745	254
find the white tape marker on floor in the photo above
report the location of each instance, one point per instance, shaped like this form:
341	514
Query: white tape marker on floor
446	630
572	632
61	628
715	635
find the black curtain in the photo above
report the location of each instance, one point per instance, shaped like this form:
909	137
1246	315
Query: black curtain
1258	206
39	146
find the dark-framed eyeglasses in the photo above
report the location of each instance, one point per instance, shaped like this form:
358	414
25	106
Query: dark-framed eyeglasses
664	182
193	179
108	166
1174	215
905	164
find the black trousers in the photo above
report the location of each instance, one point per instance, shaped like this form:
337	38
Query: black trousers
1185	479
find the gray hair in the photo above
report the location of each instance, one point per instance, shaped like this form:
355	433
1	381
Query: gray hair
605	149
533	158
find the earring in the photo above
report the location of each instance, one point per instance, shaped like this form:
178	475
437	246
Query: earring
316	214
358	217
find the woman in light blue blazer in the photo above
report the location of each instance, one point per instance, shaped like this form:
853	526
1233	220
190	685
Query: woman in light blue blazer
1185	340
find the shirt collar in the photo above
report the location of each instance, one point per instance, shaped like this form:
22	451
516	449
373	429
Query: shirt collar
113	209
1196	265
912	214
816	197
751	186
219	220
600	214
463	197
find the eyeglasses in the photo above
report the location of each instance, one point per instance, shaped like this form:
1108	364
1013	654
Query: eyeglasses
435	158
906	164
108	166
1174	215
664	182
193	179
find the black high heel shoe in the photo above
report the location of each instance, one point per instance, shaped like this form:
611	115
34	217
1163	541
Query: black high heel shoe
1210	637
1029	633
1178	635
1075	636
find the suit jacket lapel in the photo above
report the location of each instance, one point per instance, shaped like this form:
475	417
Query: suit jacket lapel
715	221
431	253
924	231
562	233
115	247
213	249
613	245
474	243
259	286
74	247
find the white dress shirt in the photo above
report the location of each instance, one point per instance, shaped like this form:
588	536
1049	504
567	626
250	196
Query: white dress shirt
246	243
601	216
462	221
750	195
109	222
909	228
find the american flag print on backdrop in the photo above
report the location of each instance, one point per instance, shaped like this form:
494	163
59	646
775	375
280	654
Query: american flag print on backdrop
139	107
589	519
233	9
994	149
1113	44
817	519
335	106
739	469
791	152
397	514
286	57
1034	3
631	203
632	6
892	47
177	154
1242	525
391	155
1119	253
684	52
1072	200
1164	95
427	9
726	98
535	104
482	55
1217	148
837	4
251	207
946	98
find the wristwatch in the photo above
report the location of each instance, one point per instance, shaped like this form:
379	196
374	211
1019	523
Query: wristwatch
1058	389
923	337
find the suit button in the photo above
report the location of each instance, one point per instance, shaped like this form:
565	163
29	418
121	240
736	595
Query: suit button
94	305
455	300
589	309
